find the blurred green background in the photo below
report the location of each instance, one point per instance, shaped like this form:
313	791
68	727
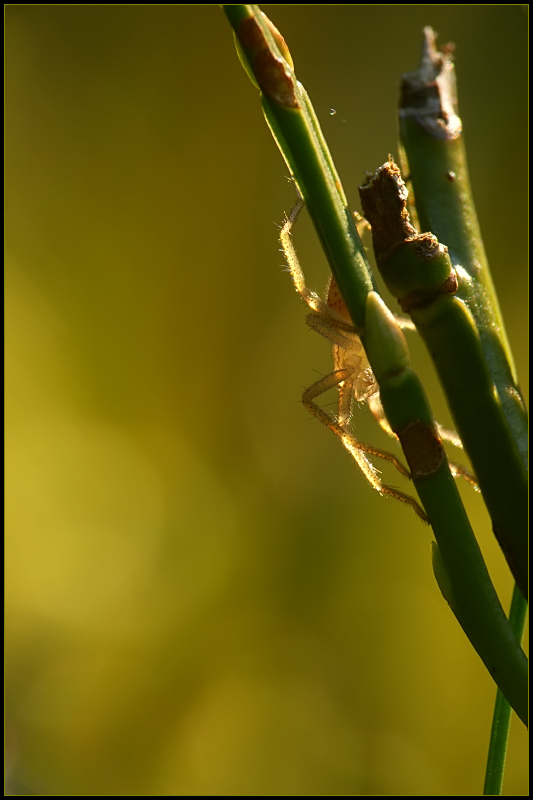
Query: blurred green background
203	596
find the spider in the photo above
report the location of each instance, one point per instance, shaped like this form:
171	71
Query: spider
352	374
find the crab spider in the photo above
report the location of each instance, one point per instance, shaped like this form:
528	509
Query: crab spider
352	375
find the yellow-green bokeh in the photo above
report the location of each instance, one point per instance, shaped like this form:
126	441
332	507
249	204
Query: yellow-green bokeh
202	594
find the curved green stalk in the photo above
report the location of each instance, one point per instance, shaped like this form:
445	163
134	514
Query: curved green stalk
461	572
490	417
418	271
297	133
296	130
501	721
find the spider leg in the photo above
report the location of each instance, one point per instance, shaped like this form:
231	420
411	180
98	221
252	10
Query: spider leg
458	471
374	404
357	449
334	330
448	435
315	303
311	298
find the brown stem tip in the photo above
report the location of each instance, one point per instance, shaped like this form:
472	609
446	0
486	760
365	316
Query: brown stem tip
429	94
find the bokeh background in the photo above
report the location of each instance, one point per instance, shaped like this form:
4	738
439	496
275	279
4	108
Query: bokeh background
203	596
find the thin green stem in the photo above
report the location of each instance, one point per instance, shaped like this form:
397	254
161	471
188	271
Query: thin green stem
490	417
418	271
296	130
289	113
501	721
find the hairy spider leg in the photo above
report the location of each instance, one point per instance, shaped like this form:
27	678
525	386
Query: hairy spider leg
356	448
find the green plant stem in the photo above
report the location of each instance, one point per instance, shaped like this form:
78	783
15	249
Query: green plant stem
450	333
297	133
490	417
464	579
501	722
418	271
296	130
